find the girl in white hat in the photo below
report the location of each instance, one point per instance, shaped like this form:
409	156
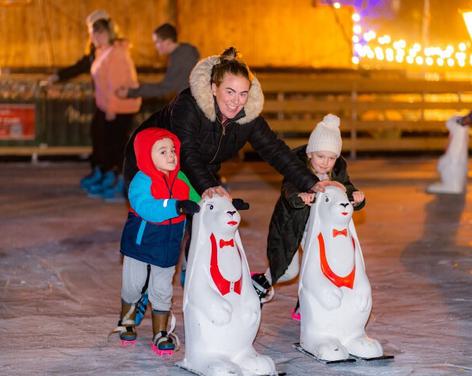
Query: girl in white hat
322	155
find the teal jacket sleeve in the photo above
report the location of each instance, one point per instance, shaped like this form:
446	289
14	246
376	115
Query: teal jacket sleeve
145	205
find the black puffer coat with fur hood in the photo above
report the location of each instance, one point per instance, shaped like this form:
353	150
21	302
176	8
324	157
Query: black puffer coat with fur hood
291	215
206	143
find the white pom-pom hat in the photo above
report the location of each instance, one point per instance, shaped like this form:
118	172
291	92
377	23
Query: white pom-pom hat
326	136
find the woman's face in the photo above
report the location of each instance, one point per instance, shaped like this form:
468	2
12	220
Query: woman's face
231	95
100	38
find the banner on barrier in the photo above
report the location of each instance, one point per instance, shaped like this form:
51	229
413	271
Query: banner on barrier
17	121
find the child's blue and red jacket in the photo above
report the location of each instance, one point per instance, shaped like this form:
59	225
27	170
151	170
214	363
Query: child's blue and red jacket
154	229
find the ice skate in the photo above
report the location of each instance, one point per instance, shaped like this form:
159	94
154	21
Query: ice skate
295	312
92	178
164	342
126	327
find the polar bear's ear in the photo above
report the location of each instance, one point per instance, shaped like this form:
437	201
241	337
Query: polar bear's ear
240	204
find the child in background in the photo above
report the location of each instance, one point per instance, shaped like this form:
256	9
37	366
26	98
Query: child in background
323	156
159	200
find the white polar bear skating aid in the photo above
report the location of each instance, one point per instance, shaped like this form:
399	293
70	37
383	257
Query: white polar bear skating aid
334	291
453	164
221	309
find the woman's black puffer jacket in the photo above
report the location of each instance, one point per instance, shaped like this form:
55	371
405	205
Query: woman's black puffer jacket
206	142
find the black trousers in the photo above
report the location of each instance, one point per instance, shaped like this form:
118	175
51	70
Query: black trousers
109	139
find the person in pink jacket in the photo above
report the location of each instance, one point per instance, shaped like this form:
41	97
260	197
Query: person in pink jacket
111	68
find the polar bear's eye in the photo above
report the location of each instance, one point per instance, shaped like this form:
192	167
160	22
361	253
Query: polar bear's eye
210	206
326	199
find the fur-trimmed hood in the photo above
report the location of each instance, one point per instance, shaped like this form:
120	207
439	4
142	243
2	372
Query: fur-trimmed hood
200	86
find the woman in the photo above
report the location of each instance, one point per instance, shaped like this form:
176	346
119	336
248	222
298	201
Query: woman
111	66
214	119
111	69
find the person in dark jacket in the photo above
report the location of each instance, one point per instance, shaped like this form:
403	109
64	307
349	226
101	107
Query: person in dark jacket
291	212
182	58
214	119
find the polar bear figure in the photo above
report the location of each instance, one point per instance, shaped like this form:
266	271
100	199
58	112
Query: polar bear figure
453	164
221	308
334	291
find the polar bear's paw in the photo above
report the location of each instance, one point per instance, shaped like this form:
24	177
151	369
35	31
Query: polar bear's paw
257	364
330	297
328	349
220	314
364	347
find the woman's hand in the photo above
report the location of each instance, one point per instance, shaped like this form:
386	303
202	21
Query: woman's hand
321	185
110	116
307	198
51	80
122	92
358	197
218	191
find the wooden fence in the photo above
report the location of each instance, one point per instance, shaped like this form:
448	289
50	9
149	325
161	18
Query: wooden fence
377	114
393	114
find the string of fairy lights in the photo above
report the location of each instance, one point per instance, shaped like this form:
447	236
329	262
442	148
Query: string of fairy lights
383	49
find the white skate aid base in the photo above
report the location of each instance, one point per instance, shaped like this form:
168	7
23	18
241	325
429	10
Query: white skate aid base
453	164
334	291
182	366
351	359
221	309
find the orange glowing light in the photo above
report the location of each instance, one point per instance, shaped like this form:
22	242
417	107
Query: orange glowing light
467	16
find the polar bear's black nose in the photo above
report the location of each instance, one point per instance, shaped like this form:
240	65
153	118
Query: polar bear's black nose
231	212
346	204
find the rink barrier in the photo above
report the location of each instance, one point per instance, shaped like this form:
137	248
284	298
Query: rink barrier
36	121
387	114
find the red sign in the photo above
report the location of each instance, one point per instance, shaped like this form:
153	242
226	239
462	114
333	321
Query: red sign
17	121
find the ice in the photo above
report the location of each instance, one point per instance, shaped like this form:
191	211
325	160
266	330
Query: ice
60	274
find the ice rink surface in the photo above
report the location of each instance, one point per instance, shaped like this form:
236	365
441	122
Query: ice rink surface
60	274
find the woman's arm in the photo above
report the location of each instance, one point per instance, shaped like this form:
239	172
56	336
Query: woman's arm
274	151
81	66
186	123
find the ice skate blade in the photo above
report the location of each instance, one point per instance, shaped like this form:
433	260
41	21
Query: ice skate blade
297	347
182	366
162	353
377	358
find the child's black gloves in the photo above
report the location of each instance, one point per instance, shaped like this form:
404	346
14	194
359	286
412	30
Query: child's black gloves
240	204
187	207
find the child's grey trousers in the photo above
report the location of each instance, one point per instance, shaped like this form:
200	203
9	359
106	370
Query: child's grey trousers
159	288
